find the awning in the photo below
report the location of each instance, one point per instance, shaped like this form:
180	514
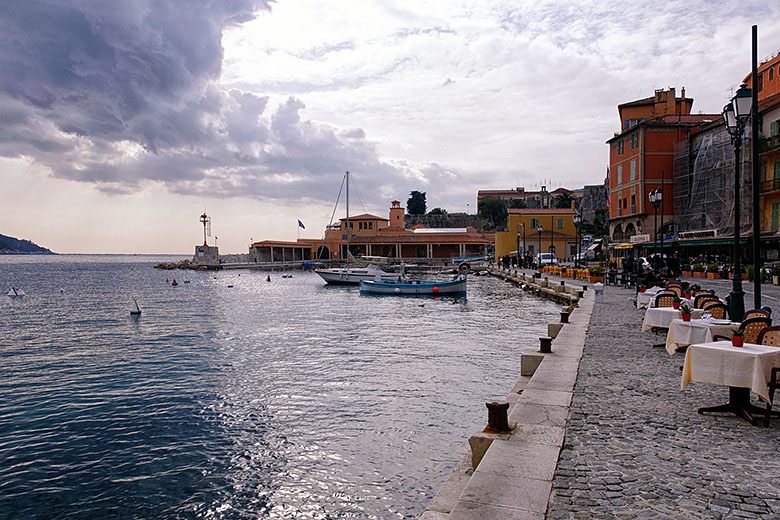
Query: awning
711	242
593	246
624	246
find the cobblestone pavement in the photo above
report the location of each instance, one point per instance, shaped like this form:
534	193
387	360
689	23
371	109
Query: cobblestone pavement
635	446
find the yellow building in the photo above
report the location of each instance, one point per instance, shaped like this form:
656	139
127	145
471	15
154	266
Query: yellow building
530	229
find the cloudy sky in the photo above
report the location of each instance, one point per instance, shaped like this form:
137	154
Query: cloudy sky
121	121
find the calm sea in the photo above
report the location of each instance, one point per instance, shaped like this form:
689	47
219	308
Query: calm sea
237	397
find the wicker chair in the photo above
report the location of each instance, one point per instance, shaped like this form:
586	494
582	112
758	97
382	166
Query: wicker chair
698	301
752	328
697	292
664	299
676	289
771	336
755	313
717	310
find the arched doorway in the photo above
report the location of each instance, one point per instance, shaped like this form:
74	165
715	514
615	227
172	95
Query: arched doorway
323	253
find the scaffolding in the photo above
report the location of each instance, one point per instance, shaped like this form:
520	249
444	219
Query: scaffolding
704	184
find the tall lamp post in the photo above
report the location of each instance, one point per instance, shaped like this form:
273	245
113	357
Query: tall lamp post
523	224
577	219
735	115
655	200
517	251
539	229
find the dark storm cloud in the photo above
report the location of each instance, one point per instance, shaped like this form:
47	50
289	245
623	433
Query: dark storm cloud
124	92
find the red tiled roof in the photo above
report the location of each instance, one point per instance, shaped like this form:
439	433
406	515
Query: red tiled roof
279	243
411	238
539	211
365	216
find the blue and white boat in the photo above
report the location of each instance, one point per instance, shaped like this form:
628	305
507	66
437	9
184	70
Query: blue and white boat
456	287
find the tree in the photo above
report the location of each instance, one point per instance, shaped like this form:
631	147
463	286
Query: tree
437	211
493	209
564	200
415	205
518	203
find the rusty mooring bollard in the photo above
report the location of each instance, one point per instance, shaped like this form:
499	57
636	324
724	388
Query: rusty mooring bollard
497	418
564	316
545	345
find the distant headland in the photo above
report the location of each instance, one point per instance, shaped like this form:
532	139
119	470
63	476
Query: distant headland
15	246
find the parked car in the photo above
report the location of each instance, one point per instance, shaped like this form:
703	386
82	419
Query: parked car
546	259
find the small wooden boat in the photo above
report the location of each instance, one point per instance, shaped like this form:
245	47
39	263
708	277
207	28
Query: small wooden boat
456	287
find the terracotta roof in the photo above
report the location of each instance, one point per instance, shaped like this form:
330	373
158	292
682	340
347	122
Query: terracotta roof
364	216
545	211
410	238
279	243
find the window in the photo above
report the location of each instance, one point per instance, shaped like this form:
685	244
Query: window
771	73
761	82
625	202
351	225
633	203
777	169
776	216
360	225
370	225
773	128
620	174
560	223
633	169
534	223
620	147
634	140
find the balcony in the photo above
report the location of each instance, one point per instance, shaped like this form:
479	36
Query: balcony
769	144
770	185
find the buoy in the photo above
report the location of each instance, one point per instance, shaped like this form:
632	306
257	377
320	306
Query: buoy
174	282
435	290
268	278
397	290
166	280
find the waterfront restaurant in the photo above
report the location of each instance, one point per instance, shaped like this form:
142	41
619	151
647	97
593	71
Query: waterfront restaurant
370	235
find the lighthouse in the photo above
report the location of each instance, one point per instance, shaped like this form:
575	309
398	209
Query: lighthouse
206	256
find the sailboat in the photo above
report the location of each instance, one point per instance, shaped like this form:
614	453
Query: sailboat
137	310
14	292
353	274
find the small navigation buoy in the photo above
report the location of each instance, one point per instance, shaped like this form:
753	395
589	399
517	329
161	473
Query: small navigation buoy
268	278
166	280
174	282
397	290
435	290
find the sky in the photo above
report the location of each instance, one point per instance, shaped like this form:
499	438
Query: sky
121	122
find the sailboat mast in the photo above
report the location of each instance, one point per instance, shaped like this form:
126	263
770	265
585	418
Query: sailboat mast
348	231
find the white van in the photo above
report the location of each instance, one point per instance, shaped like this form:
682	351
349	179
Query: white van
546	259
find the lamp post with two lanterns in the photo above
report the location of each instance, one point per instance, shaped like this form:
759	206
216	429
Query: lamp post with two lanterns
539	229
736	114
577	219
655	196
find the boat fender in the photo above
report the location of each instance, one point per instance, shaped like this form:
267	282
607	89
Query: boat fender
464	268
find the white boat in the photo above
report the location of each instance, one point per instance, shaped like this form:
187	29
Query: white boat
137	310
355	274
14	292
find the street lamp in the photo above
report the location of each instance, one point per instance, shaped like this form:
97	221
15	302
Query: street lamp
735	114
577	219
517	251
523	224
655	199
539	229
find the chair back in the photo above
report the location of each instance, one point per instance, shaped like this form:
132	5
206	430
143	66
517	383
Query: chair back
704	291
674	282
676	289
698	301
769	336
753	326
717	310
664	299
755	313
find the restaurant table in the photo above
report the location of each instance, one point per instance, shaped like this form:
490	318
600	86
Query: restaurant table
644	299
742	369
662	317
683	333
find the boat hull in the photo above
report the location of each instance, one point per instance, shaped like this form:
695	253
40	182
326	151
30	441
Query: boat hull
345	276
415	288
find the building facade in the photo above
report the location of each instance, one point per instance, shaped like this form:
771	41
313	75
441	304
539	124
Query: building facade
530	231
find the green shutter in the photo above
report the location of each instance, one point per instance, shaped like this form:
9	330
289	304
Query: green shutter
777	169
776	216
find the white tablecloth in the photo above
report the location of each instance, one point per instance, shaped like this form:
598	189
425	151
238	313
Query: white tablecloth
721	364
662	317
645	300
682	333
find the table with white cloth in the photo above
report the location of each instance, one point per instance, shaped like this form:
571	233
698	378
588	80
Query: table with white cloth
683	333
644	299
662	317
742	369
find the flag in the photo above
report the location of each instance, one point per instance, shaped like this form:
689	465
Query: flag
300	224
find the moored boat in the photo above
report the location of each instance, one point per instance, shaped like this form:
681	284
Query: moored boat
354	275
456	287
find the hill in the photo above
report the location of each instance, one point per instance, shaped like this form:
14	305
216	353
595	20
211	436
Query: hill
11	245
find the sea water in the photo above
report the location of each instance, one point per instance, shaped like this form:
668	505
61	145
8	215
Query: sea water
232	396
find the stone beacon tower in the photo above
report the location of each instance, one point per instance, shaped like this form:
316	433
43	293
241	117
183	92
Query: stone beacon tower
206	256
397	216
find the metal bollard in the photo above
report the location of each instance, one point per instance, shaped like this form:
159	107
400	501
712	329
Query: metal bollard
564	316
497	418
580	294
545	345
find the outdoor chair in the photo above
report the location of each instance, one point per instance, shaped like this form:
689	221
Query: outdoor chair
698	301
752	328
717	310
756	313
699	292
664	299
771	336
676	289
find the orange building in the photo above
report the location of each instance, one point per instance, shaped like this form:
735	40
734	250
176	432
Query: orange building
768	74
641	159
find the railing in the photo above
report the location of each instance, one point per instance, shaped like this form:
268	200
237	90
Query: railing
770	185
769	144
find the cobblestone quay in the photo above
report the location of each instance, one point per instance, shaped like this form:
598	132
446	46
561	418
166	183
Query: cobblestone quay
635	445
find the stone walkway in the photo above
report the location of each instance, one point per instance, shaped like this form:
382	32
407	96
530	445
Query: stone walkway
635	447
